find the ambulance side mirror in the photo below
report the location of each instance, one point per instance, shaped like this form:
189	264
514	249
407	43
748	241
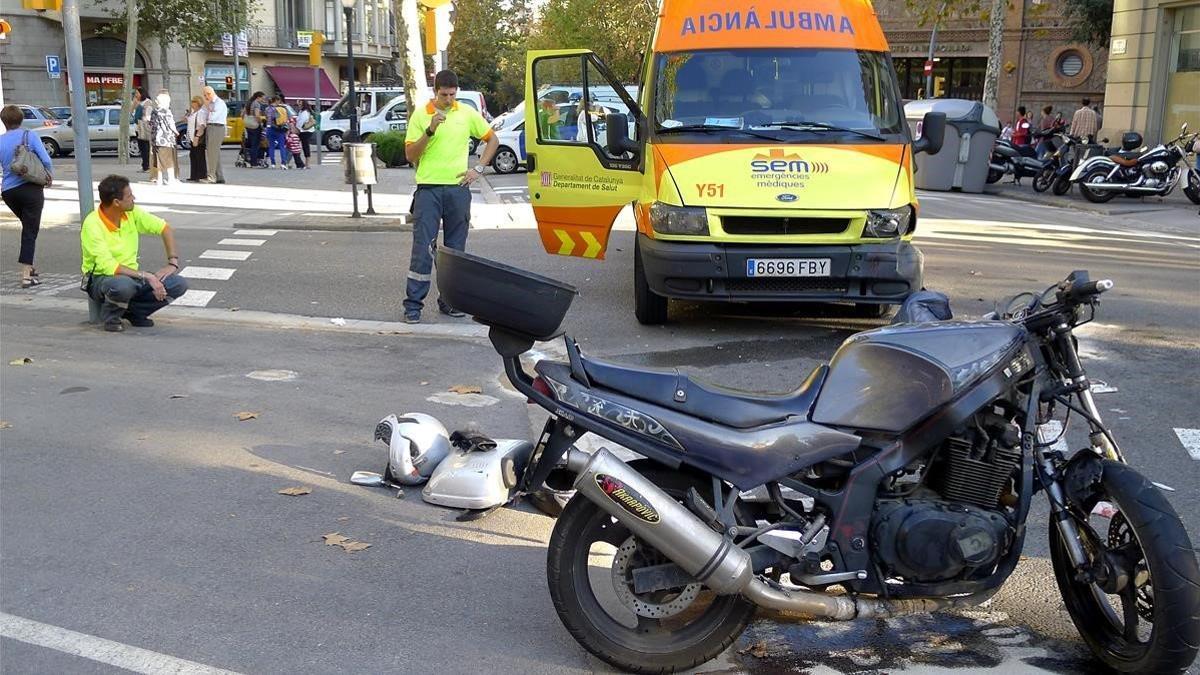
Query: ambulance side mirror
617	135
933	132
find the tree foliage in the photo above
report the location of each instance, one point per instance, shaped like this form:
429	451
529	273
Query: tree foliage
183	22
1090	21
617	30
487	48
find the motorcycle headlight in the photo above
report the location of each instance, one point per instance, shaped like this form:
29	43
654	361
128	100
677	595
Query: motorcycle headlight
887	223
667	219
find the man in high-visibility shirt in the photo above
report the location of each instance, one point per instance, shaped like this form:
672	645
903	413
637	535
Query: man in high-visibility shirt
437	143
109	240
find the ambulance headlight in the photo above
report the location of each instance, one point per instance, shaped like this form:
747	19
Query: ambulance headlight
885	223
667	219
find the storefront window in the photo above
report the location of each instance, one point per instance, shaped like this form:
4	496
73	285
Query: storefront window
1183	79
956	77
215	74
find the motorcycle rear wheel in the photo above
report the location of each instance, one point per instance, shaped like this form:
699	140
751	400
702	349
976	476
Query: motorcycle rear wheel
1164	587
994	176
614	632
1062	186
1043	180
1097	196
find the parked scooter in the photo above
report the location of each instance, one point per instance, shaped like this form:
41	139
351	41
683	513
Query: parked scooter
1134	172
1009	159
901	473
1056	173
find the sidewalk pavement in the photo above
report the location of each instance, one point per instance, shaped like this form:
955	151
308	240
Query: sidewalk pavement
1176	201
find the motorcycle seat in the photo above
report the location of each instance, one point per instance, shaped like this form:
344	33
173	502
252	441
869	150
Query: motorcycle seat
721	405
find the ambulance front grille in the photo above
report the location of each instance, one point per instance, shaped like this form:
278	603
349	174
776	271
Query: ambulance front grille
769	226
788	286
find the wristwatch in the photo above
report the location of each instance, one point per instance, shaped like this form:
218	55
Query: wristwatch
429	132
479	169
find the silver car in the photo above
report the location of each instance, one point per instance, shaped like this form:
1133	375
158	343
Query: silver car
56	136
104	125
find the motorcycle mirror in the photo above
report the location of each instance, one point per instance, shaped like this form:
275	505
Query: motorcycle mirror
367	478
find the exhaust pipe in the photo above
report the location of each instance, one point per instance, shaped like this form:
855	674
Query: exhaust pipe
712	558
1121	187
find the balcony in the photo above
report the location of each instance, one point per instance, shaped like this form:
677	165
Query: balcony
283	37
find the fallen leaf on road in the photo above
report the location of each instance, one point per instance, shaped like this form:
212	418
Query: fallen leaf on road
466	389
243	416
178	396
333	539
5	425
339	452
352	546
21	361
343	519
757	650
295	491
348	545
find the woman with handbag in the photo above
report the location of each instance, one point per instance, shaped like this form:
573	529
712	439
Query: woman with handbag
27	170
306	123
197	119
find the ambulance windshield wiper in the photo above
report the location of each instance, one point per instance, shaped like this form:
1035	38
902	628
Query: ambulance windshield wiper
691	128
800	124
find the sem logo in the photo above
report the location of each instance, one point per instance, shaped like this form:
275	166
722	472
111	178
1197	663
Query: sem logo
779	161
627	498
787	197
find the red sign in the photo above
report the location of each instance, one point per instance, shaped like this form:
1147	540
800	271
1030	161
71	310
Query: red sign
929	67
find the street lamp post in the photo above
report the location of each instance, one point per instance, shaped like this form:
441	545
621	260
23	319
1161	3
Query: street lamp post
352	136
348	8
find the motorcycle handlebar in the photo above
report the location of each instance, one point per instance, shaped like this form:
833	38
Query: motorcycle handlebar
1081	291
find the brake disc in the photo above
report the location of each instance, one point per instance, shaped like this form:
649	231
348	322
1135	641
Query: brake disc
653	605
1121	534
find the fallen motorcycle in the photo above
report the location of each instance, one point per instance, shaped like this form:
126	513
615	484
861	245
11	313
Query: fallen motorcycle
902	472
1134	172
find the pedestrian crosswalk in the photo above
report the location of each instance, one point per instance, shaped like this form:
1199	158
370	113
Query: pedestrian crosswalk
200	297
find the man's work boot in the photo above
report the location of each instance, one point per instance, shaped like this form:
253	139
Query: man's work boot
114	326
139	322
450	311
412	317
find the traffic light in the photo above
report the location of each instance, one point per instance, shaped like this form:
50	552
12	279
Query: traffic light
43	5
229	82
314	49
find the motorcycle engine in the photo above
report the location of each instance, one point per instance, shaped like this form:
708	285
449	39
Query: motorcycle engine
934	540
1159	168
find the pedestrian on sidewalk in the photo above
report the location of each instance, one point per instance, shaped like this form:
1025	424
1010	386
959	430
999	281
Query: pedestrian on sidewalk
306	121
292	141
24	198
1021	128
1085	122
436	142
214	135
1046	127
277	121
252	120
164	136
109	244
141	126
196	120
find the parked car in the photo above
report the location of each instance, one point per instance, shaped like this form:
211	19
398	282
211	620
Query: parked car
63	112
104	125
56	136
510	155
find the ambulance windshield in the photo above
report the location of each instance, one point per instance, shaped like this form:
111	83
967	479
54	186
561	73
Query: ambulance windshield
799	94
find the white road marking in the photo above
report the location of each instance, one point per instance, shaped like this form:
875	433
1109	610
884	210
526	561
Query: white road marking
194	298
198	272
1191	441
500	190
256	233
217	254
1049	431
241	242
98	649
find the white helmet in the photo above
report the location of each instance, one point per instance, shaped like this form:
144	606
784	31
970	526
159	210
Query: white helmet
417	443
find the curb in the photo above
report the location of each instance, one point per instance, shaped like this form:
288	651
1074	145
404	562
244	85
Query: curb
1082	205
261	319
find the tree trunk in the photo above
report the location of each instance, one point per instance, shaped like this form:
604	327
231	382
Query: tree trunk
408	30
991	78
166	69
127	91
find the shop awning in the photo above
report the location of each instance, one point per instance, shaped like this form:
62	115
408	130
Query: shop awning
296	82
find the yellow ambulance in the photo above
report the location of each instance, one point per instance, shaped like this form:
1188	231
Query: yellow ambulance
766	157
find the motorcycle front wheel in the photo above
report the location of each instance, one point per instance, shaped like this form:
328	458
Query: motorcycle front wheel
1062	185
589	568
1044	179
994	176
1152	624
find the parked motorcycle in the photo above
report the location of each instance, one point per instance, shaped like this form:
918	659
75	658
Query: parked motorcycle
902	472
1056	173
1134	172
1191	187
1009	159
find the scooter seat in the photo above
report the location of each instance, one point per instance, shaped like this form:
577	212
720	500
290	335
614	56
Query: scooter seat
720	405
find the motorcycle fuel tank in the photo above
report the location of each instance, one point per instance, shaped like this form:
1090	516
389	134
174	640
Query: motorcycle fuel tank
889	378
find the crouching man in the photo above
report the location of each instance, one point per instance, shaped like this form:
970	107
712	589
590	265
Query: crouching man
109	239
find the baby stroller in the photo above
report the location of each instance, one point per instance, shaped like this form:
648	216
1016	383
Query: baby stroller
243	158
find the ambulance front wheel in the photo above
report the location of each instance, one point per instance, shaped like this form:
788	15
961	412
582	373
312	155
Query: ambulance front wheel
649	307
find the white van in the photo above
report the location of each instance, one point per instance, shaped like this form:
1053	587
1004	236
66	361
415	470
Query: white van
389	115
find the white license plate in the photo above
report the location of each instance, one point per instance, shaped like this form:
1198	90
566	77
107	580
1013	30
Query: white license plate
787	267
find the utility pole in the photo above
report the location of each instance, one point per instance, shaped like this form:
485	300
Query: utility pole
83	147
932	41
131	17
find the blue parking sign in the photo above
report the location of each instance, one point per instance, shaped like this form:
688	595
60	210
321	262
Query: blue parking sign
53	66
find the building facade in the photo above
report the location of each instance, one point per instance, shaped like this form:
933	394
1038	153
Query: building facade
1039	64
276	63
1154	68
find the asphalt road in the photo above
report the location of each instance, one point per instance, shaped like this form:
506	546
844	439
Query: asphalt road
154	521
